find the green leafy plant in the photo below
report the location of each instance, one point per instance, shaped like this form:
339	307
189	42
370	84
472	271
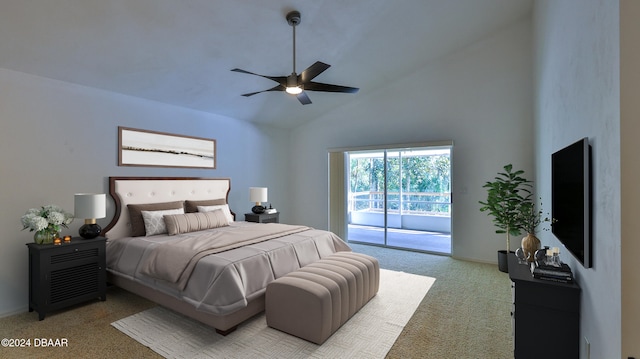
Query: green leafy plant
508	197
532	218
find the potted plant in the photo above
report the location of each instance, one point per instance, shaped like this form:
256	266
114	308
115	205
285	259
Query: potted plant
508	197
531	219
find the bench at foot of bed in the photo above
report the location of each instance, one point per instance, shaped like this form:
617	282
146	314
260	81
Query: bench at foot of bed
315	301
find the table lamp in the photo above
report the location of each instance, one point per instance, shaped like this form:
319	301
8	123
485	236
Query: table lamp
258	195
90	206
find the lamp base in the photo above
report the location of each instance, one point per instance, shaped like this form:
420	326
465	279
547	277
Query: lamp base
89	231
258	209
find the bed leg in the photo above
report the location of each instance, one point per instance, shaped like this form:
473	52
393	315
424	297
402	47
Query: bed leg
226	332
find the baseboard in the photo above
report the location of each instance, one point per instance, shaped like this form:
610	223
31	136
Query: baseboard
14	312
475	260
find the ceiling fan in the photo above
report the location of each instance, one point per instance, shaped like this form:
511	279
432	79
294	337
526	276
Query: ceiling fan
297	84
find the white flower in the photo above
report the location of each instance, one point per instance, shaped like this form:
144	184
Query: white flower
56	217
49	217
34	211
34	222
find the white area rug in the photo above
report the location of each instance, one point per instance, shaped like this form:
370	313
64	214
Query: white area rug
368	334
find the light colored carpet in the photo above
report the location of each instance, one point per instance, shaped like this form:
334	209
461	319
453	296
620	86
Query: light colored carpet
368	334
464	315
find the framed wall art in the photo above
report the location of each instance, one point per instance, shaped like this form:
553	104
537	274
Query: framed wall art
157	149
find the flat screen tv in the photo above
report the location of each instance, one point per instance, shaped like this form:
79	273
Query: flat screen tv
571	199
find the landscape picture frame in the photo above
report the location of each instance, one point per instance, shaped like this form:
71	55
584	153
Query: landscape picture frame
146	148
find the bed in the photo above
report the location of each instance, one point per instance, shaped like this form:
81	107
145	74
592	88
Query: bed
205	264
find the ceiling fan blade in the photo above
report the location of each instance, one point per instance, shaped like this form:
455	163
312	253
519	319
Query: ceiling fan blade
276	88
282	80
312	71
317	86
303	98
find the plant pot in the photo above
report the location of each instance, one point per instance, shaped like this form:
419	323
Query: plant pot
503	261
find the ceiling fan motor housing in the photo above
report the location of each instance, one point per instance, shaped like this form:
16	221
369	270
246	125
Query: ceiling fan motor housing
293	18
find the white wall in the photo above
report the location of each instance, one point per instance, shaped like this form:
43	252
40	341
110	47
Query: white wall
479	97
57	139
578	95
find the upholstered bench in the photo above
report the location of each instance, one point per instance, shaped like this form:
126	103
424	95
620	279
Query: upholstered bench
315	301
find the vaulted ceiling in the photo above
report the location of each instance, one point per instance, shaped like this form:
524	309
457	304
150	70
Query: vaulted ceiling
181	52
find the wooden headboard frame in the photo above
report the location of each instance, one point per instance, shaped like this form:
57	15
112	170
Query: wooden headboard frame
138	190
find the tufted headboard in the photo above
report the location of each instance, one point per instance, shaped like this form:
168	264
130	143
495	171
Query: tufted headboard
139	190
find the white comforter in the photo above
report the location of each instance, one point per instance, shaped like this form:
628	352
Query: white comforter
224	282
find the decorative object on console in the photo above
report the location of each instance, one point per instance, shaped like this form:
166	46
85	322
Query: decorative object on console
541	254
258	195
90	206
530	244
47	221
270	210
522	258
531	219
561	274
548	266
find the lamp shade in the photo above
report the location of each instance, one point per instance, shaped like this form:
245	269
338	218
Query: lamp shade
90	205
258	194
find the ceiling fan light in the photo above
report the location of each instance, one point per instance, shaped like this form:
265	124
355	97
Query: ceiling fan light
294	90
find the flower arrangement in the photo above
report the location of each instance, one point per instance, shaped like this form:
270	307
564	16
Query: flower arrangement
46	221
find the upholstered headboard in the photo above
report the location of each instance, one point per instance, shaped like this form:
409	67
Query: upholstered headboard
139	190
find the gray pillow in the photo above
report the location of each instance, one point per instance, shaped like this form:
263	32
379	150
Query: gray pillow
193	222
135	214
192	206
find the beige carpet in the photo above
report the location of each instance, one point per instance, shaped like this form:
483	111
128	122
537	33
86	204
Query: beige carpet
368	334
464	315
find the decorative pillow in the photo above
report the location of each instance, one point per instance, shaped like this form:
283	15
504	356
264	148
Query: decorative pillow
192	206
223	207
193	222
135	214
154	221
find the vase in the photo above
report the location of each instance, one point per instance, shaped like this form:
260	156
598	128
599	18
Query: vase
530	244
45	236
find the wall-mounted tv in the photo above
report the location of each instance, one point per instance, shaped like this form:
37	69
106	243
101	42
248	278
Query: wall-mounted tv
571	199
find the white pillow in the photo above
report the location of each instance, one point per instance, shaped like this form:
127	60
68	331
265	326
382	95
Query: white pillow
223	207
154	220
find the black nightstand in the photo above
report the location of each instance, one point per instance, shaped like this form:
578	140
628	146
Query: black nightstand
262	217
66	274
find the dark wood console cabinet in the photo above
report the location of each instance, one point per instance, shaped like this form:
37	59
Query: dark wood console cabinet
66	274
545	315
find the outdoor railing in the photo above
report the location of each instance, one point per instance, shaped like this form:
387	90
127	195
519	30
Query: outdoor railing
406	203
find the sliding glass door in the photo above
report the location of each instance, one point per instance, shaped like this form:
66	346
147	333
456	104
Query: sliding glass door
400	197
